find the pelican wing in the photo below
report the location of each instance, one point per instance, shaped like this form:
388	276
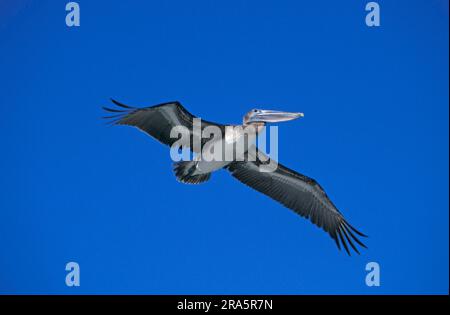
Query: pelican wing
158	121
299	193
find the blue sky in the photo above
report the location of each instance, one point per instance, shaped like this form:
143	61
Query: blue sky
375	135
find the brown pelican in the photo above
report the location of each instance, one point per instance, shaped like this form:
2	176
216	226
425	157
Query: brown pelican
295	191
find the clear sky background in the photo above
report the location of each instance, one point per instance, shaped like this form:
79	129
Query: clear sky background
375	135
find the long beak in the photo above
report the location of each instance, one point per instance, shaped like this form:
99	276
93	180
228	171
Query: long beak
272	116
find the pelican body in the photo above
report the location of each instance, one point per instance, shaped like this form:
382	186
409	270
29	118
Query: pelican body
297	192
234	144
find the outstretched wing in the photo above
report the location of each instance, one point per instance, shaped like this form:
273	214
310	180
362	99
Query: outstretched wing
299	193
158	121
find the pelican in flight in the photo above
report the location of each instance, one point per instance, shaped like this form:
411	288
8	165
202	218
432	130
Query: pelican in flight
295	191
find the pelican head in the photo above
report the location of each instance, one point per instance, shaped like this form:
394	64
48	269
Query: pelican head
263	116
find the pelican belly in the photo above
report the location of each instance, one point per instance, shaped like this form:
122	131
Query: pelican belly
231	147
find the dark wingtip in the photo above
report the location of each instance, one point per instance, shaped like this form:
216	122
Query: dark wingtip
112	110
118	114
343	235
348	229
343	241
349	240
120	104
336	239
355	230
112	116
